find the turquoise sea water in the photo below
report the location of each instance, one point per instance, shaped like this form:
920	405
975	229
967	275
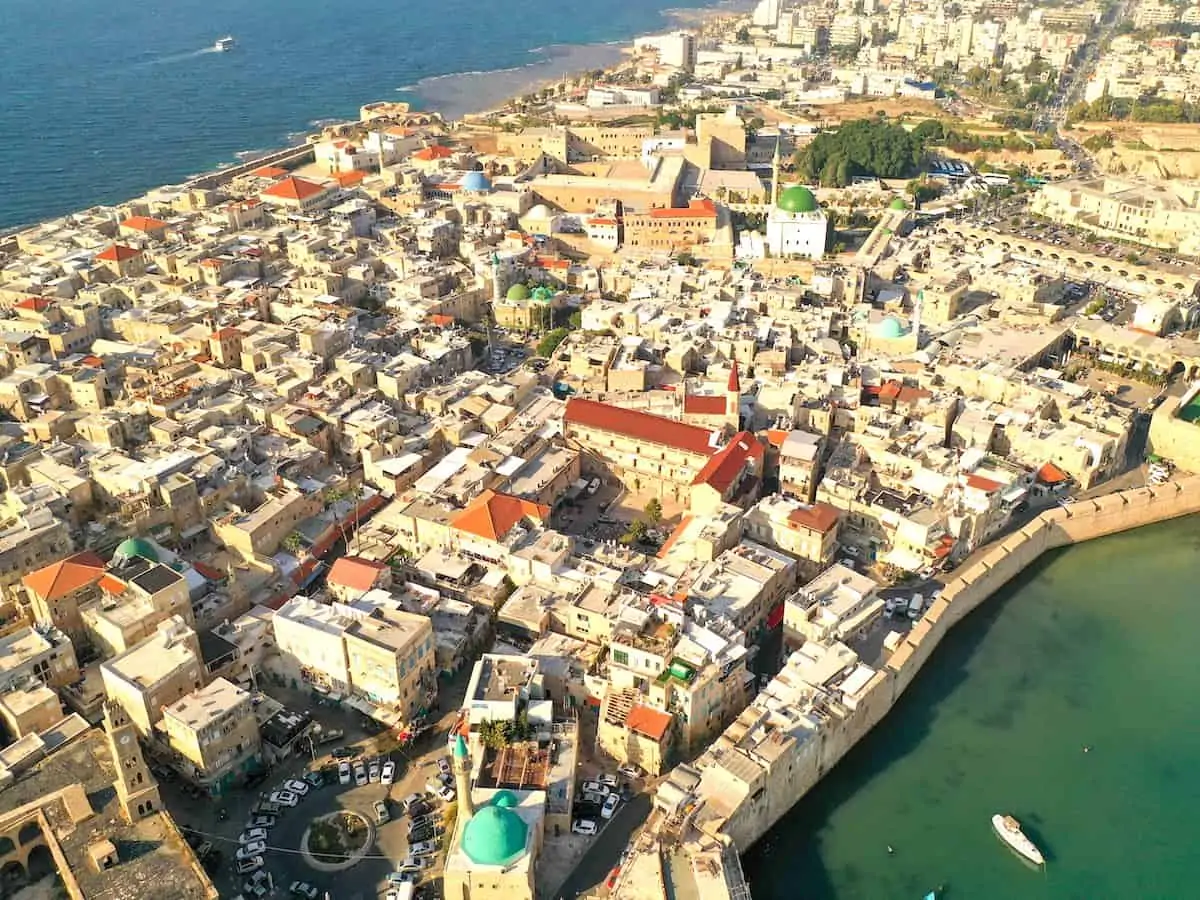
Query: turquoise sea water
101	100
1095	646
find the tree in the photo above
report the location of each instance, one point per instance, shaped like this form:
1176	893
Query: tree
742	36
575	321
294	543
550	342
635	533
654	511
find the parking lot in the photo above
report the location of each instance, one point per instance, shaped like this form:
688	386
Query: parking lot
220	822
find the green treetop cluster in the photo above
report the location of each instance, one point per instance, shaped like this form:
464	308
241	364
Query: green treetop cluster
864	147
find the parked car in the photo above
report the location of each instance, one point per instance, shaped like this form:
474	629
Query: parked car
315	779
345	773
245	866
343	752
204	851
446	793
400	877
257	885
333	734
444	766
373	772
252	835
284	798
593	798
388	775
267	808
249	851
423	848
584	826
296	786
630	771
360	774
416	863
409	802
610	806
424	833
609	780
596	787
303	889
382	816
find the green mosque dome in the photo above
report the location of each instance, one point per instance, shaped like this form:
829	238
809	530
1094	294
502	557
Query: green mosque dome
135	547
890	328
542	294
518	293
495	835
797	199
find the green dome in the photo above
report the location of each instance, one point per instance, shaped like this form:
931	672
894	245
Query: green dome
518	293
797	199
134	547
495	836
542	294
898	203
505	799
890	328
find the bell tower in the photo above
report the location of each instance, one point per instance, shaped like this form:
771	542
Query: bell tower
137	790
733	398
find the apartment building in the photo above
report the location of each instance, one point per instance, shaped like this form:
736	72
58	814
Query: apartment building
213	735
39	653
155	673
835	605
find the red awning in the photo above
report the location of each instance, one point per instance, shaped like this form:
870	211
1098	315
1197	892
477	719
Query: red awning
775	616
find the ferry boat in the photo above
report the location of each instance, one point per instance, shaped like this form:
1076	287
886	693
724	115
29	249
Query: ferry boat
1009	830
223	44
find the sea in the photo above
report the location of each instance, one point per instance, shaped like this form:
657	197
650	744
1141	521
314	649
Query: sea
101	100
1093	647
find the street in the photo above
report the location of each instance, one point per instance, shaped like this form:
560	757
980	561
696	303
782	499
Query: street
605	851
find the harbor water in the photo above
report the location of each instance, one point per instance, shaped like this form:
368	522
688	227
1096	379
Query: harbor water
1094	647
105	99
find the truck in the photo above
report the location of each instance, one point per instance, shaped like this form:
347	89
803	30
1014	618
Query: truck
914	606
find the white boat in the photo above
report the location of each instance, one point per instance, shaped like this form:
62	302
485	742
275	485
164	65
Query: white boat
223	44
1010	832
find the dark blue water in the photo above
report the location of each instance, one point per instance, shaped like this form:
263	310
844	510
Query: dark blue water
101	100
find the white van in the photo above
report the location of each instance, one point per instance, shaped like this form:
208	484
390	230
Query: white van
914	606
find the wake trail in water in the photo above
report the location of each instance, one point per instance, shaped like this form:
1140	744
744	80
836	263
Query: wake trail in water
180	57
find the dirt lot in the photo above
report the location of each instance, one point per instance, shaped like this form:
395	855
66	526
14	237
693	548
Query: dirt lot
1145	149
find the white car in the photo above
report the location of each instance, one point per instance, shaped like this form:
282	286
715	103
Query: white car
389	773
304	889
360	774
297	787
608	779
345	774
251	850
446	793
284	798
443	765
630	772
595	787
610	806
252	835
249	865
423	848
584	826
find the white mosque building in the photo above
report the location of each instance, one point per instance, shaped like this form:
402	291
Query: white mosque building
796	225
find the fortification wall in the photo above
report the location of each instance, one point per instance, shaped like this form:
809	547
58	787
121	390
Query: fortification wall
971	585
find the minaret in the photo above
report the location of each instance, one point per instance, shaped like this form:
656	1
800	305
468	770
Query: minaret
462	779
137	789
775	172
496	277
733	397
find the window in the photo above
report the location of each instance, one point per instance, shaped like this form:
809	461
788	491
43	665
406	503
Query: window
621	657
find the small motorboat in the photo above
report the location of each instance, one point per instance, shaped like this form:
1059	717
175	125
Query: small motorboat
1009	830
223	44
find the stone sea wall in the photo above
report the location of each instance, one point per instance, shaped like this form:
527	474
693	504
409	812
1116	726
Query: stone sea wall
970	586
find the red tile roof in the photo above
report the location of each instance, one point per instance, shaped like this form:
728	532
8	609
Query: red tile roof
723	469
705	209
348	179
776	436
986	485
37	304
674	536
492	515
437	151
112	584
224	334
355	573
65	576
650	722
119	253
640	426
144	223
294	189
440	320
269	172
1052	474
819	517
704	405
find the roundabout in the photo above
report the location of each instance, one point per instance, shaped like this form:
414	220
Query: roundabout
337	841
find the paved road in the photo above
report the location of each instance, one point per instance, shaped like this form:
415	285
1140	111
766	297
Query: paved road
605	851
